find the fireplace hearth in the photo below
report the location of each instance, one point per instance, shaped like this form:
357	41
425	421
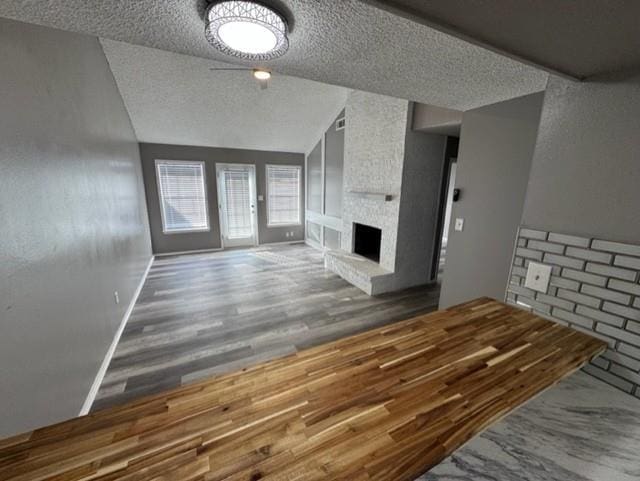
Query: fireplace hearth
367	241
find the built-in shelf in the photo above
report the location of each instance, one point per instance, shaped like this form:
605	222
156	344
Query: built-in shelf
371	195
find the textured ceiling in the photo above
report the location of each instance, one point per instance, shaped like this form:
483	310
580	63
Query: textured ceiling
578	38
341	42
177	99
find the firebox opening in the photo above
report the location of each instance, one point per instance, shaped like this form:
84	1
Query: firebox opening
367	241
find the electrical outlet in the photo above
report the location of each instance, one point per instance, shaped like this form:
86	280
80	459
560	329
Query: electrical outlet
116	297
538	276
459	226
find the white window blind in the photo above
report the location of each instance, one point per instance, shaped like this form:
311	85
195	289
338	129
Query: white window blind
183	197
283	195
238	203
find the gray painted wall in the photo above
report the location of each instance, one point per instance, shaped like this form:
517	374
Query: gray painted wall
334	167
325	170
421	179
314	179
436	120
585	176
496	148
166	243
73	216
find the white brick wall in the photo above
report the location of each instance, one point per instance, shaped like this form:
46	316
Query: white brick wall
373	161
594	288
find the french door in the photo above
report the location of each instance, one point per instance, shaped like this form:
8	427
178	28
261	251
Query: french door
237	204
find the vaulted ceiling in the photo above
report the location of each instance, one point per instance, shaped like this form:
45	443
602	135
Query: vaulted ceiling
346	42
178	99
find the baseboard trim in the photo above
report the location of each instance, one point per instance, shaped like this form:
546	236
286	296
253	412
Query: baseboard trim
220	249
299	241
181	253
86	407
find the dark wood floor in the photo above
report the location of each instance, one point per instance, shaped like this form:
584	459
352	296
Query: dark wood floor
207	314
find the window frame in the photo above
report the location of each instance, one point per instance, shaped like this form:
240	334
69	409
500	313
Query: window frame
202	164
266	172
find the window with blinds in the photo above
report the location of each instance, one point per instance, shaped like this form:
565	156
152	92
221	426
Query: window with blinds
283	195
183	197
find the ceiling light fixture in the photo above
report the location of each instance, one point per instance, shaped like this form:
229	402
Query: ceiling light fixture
262	74
247	30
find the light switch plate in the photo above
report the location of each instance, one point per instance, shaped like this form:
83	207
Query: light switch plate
260	198
459	224
538	276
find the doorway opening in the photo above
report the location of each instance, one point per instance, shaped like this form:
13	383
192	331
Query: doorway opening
446	208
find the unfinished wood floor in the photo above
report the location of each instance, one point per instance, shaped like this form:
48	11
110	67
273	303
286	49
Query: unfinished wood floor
206	314
386	404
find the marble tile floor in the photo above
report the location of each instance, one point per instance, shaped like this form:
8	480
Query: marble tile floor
579	430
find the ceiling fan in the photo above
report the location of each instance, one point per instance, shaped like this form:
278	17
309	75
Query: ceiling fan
261	75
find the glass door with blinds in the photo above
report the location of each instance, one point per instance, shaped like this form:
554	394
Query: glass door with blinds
237	204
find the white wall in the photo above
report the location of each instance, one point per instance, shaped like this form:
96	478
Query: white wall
373	162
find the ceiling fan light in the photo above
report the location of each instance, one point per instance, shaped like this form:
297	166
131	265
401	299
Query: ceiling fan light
247	30
262	74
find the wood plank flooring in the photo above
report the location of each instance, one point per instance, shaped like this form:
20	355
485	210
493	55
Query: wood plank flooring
206	314
386	404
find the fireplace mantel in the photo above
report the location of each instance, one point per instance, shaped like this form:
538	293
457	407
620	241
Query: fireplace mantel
371	195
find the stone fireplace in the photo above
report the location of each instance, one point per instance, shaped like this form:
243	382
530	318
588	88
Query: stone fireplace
391	185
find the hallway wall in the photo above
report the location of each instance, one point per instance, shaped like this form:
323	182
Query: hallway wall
496	147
